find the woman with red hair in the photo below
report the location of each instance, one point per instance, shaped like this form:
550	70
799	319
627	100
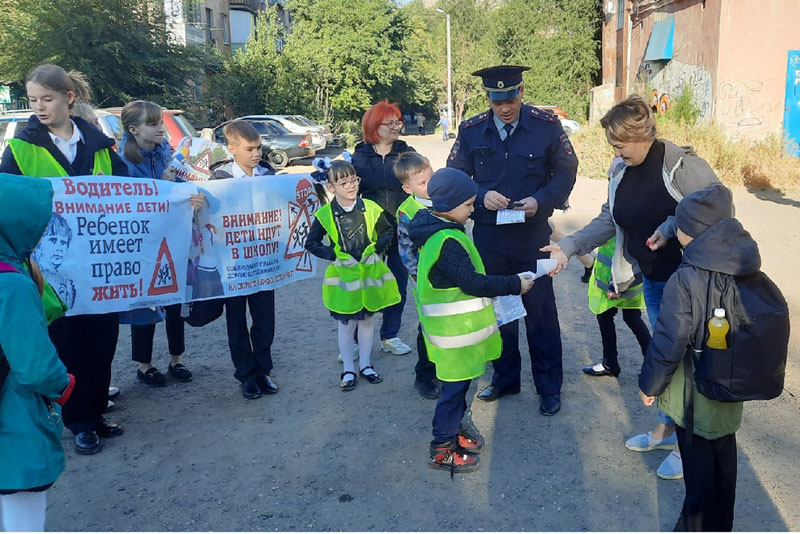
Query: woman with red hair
374	160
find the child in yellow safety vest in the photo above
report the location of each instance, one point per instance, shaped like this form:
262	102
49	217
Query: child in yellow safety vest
455	308
358	282
413	170
604	299
56	143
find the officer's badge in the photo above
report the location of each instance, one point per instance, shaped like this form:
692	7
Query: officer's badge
454	150
566	145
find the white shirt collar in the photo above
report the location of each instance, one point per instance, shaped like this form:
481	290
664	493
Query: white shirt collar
68	147
428	203
237	171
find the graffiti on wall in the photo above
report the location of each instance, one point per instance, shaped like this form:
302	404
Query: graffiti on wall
669	79
738	104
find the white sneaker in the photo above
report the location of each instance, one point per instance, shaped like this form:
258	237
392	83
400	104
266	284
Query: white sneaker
671	468
355	355
395	346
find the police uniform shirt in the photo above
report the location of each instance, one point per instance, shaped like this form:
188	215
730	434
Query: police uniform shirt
501	127
537	161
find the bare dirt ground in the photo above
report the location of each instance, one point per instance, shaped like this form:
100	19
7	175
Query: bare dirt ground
197	456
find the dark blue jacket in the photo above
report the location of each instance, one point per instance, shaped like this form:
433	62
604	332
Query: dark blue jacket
454	267
540	162
94	139
378	181
154	163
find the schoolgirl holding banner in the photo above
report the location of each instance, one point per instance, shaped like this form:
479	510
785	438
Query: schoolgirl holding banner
148	154
55	144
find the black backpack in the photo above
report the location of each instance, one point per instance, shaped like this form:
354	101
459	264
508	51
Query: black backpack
754	364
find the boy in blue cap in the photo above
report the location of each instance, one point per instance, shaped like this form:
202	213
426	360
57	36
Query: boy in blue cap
456	312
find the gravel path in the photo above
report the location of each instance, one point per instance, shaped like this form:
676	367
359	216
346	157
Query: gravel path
197	456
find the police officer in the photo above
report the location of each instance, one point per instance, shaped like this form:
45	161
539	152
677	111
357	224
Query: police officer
524	166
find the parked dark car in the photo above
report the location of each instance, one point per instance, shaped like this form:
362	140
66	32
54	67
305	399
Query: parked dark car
279	146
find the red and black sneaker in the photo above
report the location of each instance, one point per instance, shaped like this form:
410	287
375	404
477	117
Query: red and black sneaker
450	456
469	441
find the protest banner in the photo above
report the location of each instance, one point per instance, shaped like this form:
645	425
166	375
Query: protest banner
118	244
251	235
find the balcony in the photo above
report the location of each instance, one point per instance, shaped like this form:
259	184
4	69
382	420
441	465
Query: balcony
250	5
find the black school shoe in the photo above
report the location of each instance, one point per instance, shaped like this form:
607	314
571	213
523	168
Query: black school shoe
373	378
250	390
107	429
88	443
266	385
180	373
587	273
152	377
349	384
550	405
600	369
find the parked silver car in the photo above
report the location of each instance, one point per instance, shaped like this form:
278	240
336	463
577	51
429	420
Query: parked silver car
318	139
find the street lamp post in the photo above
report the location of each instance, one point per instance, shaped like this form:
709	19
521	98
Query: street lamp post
449	70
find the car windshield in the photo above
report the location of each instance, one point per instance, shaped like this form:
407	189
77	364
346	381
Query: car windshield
279	127
304	120
295	121
260	127
185	126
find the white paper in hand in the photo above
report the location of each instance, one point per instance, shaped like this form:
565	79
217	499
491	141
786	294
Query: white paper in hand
510	216
542	268
508	308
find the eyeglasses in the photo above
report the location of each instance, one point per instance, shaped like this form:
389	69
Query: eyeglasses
347	184
393	124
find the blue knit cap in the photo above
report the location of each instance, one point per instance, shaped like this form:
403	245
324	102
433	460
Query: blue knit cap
448	188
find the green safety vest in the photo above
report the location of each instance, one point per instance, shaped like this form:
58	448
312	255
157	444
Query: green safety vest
350	286
409	206
460	330
599	284
35	160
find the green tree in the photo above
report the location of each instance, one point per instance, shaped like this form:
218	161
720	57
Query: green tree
557	39
123	46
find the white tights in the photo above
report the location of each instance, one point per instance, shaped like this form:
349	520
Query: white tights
23	511
346	343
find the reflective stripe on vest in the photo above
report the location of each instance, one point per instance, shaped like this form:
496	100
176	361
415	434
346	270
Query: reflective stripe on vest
464	340
599	285
350	286
460	330
37	161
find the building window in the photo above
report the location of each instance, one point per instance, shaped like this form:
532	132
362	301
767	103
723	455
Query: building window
192	10
223	20
620	13
209	25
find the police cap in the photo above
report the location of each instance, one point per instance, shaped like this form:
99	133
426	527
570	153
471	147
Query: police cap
503	81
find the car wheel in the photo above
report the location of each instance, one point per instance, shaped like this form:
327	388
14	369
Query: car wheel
278	159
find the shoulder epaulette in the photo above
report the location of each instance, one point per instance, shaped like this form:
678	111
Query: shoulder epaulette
543	115
477	119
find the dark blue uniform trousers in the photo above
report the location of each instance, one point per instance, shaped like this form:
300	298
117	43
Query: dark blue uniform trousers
507	250
450	409
251	351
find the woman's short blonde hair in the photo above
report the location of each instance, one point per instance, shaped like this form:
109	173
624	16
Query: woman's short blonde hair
630	120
